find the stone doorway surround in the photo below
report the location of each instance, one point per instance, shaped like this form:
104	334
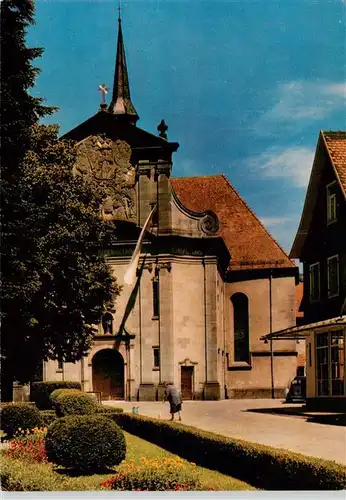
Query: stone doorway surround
108	374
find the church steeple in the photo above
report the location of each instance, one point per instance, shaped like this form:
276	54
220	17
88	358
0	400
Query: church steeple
121	100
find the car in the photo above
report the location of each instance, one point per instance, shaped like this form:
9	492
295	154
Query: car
297	391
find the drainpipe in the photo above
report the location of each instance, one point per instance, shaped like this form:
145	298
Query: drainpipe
205	323
271	331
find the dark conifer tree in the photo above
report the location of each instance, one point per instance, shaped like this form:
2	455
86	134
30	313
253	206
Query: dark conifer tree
54	281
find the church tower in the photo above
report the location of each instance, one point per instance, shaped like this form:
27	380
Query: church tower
111	148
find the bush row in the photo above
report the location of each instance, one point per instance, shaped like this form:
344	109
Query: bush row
261	466
40	392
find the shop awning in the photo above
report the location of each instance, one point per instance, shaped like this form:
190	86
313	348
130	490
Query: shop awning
300	332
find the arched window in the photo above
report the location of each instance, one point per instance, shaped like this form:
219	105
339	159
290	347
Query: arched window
107	323
241	327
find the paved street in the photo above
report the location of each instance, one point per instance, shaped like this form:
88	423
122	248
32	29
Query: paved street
231	418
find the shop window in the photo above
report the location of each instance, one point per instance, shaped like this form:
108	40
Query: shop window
337	358
330	364
333	276
241	327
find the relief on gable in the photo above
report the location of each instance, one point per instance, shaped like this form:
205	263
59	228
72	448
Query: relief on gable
107	164
209	224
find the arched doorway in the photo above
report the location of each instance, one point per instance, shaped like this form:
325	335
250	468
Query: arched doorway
108	374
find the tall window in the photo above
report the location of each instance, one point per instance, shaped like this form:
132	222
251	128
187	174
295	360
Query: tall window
241	327
107	323
156	298
333	276
330	364
60	364
315	281
331	202
156	352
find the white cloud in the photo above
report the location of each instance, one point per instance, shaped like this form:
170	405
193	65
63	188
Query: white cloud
291	163
275	221
298	102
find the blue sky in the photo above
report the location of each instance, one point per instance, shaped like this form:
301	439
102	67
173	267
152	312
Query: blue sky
244	85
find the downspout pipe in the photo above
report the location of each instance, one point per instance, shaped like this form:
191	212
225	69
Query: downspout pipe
271	331
205	322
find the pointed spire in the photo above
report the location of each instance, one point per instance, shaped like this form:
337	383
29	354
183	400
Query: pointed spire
121	100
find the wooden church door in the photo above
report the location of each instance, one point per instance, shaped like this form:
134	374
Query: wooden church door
187	382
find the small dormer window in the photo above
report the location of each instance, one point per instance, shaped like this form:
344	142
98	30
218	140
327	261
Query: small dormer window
331	202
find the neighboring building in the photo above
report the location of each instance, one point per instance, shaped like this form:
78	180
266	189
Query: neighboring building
301	348
320	244
211	280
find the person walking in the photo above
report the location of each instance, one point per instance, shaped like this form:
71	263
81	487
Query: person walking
173	396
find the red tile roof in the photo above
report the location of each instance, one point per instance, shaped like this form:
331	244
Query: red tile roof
336	146
249	243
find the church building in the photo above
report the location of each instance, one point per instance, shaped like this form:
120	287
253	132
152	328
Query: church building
210	279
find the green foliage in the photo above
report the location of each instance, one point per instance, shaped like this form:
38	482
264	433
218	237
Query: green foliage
74	403
41	391
262	466
85	443
17	475
19	112
108	410
55	394
15	416
48	416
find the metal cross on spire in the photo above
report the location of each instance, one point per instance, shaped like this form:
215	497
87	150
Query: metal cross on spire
104	91
119	11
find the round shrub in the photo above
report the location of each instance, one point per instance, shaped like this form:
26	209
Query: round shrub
16	416
85	443
74	403
55	394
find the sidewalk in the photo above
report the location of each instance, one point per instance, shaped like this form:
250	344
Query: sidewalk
235	418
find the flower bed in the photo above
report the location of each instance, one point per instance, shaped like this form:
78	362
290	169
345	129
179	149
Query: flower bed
169	474
27	475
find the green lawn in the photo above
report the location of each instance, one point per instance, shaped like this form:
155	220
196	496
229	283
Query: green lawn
43	477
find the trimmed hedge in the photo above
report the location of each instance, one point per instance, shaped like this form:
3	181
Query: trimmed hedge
74	403
108	410
55	394
48	416
86	443
40	392
16	416
261	466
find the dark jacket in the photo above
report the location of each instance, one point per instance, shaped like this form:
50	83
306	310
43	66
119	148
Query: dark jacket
172	395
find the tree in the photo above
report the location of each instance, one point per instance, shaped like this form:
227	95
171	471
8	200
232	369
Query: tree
55	282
